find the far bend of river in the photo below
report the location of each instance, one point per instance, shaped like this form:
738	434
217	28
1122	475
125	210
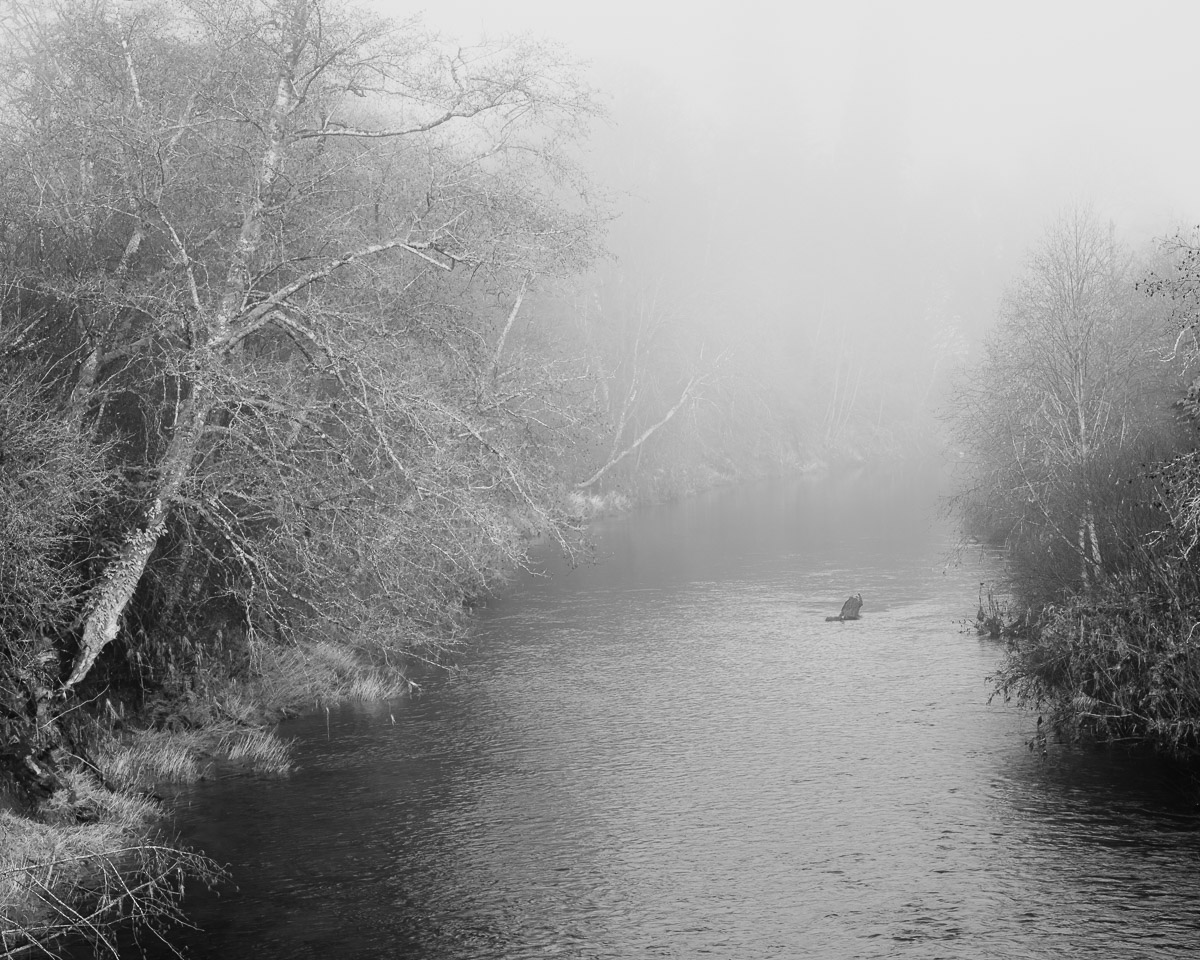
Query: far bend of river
671	754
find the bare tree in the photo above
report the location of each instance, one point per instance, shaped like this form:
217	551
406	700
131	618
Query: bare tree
1071	380
265	237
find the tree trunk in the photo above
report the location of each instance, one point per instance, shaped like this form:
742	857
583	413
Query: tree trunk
125	571
643	437
512	318
1081	548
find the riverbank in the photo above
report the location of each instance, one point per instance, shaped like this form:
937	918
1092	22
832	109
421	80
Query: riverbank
93	854
93	859
712	762
104	816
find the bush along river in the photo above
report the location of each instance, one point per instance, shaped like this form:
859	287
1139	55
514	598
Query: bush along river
671	753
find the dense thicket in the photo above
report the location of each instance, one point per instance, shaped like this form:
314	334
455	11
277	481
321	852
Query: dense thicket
259	261
263	414
304	287
305	331
1080	446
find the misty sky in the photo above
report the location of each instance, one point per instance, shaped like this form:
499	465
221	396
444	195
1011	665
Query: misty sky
884	165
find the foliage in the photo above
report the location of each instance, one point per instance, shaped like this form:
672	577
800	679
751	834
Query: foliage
54	487
1107	648
1120	662
996	617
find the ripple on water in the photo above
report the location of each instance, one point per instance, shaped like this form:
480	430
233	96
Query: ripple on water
672	754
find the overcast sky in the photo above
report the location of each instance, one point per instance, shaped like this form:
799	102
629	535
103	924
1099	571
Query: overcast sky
899	154
1092	95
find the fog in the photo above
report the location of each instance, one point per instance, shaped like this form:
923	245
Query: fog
861	180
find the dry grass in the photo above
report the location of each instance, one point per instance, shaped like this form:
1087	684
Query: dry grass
261	751
60	878
151	757
66	879
83	797
320	674
228	726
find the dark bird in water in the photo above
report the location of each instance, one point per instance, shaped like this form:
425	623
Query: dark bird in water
849	609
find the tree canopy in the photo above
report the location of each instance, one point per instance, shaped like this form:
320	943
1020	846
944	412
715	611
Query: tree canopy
265	251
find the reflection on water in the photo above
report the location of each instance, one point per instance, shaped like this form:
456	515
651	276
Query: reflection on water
672	754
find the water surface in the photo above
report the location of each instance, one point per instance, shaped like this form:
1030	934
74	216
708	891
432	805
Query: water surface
670	753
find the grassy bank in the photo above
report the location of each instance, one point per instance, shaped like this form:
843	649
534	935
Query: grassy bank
93	854
91	859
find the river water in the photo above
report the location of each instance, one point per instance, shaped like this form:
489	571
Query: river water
670	753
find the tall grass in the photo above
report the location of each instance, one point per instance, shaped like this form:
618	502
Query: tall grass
91	862
151	757
318	674
64	879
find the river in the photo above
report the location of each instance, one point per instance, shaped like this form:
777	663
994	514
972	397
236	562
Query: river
670	753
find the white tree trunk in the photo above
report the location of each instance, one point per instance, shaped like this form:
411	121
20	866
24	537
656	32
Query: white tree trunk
125	571
643	437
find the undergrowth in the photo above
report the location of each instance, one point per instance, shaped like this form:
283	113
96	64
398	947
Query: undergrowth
1120	662
92	863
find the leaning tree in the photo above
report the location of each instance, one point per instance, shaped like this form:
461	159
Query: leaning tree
266	252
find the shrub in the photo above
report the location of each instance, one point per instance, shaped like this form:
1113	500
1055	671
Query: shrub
1119	662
